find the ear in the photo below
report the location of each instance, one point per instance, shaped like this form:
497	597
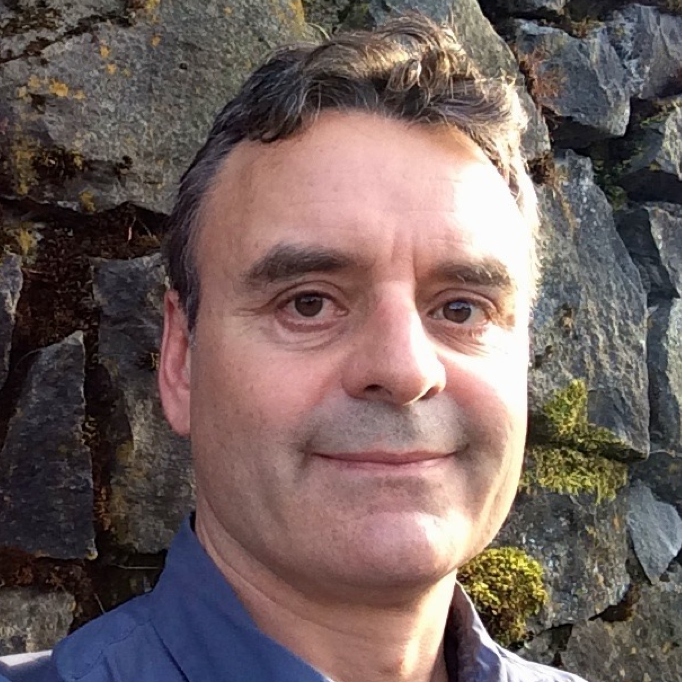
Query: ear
174	365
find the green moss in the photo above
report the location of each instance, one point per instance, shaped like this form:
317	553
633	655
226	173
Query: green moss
563	422
564	470
506	586
571	455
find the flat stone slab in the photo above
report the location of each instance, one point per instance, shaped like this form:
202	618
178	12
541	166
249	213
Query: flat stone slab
113	111
590	320
582	544
11	281
579	82
33	621
656	531
652	233
151	474
662	472
652	170
644	647
46	496
665	376
649	45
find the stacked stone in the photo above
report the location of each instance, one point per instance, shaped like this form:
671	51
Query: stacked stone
101	108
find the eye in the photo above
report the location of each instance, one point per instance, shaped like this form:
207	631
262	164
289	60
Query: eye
464	312
458	312
308	305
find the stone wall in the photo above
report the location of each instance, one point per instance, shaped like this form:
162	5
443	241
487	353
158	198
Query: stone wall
102	104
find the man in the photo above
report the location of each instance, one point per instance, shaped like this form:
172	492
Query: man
345	344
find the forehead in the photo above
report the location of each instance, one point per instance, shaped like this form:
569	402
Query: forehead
365	183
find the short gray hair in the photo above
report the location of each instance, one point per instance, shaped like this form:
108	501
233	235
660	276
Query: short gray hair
409	69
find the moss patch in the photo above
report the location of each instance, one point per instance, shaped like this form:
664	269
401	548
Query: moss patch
563	422
569	471
572	455
506	586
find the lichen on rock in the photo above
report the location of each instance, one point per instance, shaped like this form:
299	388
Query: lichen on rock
507	588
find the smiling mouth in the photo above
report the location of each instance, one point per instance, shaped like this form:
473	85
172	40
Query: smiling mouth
386	461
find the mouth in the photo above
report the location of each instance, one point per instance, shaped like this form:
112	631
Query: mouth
386	461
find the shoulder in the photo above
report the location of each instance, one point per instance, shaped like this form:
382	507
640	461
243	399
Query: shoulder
119	646
521	670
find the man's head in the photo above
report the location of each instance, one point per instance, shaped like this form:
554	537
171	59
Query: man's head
351	254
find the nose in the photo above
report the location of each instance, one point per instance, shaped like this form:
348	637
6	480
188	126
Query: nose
394	360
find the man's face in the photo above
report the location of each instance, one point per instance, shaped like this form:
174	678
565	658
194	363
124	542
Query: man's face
357	387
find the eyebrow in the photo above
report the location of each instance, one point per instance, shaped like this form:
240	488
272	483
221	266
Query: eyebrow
489	272
288	261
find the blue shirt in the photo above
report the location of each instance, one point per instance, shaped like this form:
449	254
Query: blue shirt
192	628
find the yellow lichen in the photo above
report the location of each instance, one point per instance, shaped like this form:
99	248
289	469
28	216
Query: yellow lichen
87	200
104	51
79	95
26	241
59	89
507	588
155	40
112	69
23	155
34	83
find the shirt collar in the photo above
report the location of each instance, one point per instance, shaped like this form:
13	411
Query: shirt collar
210	634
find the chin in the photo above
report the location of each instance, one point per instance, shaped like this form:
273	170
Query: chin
405	550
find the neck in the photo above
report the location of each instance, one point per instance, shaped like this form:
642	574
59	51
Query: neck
395	637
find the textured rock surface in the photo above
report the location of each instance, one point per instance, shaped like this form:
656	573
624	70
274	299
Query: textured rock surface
11	281
662	472
582	545
590	318
653	235
151	481
530	8
649	45
33	621
97	117
656	531
485	48
653	168
646	647
579	82
45	472
665	376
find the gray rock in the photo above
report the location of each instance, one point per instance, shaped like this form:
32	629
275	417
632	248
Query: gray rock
581	544
656	531
645	647
549	9
151	479
579	82
484	47
662	472
649	45
11	281
590	320
665	376
653	168
115	113
653	235
33	621
46	493
28	24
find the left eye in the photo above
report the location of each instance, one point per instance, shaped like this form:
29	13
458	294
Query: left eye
458	311
462	312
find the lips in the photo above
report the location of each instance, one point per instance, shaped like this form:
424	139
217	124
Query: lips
386	458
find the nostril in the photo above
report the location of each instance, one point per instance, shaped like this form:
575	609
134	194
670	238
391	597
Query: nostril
373	388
